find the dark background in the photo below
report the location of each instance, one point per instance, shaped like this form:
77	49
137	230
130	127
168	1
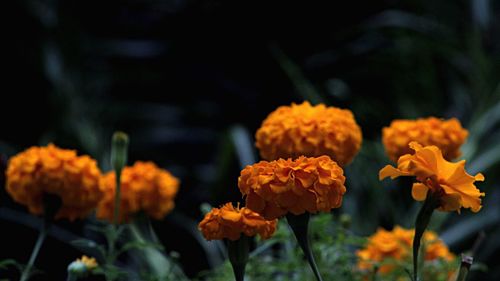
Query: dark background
191	81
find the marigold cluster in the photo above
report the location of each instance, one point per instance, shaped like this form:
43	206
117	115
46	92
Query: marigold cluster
448	135
447	181
52	170
229	222
307	184
397	245
144	187
303	129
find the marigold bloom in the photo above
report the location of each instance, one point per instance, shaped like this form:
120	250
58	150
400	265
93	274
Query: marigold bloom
296	130
38	170
448	181
297	186
143	187
397	245
448	135
90	263
229	222
81	267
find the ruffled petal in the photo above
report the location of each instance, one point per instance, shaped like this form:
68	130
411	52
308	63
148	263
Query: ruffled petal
419	191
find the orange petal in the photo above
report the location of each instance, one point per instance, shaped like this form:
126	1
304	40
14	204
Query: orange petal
419	191
390	171
479	177
452	202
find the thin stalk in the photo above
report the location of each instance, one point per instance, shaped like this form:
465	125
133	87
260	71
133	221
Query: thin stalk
421	223
116	214
464	267
300	227
41	237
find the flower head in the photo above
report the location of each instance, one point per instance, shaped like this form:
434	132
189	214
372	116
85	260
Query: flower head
229	222
60	172
297	186
448	135
82	266
452	185
397	245
303	129
144	187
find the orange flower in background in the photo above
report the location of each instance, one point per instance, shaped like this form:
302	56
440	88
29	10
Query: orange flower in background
448	181
144	187
229	222
89	263
397	244
435	248
297	186
303	129
38	170
448	135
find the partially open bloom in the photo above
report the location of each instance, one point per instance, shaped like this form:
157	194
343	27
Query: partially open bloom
447	181
229	222
397	245
82	266
303	129
144	187
448	135
297	186
52	170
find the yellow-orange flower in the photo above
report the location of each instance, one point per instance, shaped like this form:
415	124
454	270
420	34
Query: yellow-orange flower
90	263
296	130
448	135
144	187
297	186
446	180
229	222
397	245
52	170
435	248
81	267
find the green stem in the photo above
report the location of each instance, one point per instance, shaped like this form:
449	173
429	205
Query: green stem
119	146
300	227
464	267
116	214
238	256
71	277
41	237
421	223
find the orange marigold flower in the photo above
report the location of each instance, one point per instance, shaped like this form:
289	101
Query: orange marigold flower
229	222
143	187
52	170
297	186
303	129
448	181
448	135
397	245
90	263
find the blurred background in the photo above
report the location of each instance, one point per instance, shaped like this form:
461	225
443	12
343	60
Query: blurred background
191	81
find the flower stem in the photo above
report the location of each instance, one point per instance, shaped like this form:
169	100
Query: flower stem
41	237
464	267
421	223
119	146
116	214
300	227
238	256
